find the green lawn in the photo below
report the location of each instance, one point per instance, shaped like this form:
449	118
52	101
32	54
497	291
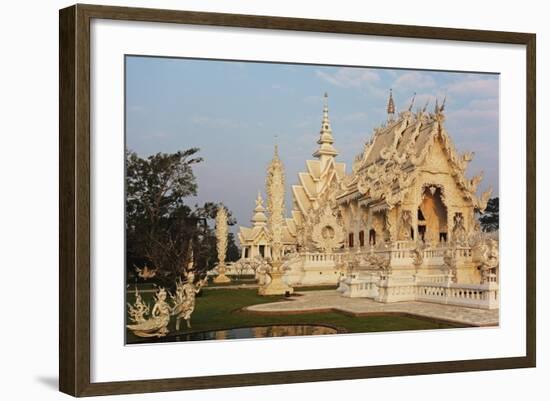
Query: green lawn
222	309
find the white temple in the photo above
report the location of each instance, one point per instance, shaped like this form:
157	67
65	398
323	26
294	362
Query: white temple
400	227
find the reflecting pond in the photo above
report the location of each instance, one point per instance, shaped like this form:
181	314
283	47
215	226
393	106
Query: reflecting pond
253	332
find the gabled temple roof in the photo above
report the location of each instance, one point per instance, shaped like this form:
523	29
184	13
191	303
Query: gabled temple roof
247	234
388	164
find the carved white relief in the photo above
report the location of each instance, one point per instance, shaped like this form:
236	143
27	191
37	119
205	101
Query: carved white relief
327	232
459	231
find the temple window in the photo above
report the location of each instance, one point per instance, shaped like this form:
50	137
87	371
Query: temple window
246	252
361	238
372	237
350	240
442	237
262	251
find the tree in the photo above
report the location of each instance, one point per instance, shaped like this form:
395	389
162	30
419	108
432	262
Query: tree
159	226
233	253
489	219
161	230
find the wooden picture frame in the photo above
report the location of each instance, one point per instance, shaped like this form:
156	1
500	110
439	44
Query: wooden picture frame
74	203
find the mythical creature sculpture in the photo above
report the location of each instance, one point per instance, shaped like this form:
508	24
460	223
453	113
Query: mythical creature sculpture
184	300
139	309
418	254
145	272
485	254
157	324
449	258
375	261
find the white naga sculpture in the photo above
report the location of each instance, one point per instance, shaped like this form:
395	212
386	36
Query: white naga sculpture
184	300
157	324
221	244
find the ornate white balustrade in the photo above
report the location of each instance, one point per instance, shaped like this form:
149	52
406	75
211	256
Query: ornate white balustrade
403	253
432	279
314	268
363	286
321	258
484	296
463	252
437	288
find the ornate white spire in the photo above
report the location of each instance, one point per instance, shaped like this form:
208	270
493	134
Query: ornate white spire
221	234
275	186
259	219
221	244
326	140
391	107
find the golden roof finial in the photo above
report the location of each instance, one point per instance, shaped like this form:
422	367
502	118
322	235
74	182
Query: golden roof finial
325	135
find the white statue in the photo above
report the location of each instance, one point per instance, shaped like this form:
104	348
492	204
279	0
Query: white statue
139	309
157	324
184	300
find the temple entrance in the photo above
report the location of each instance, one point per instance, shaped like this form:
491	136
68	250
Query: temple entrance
432	216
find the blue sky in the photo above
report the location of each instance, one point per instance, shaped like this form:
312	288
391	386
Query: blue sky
236	111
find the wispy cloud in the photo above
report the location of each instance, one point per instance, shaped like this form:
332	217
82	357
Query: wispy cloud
155	135
313	99
349	77
357	116
477	113
414	80
475	87
216	122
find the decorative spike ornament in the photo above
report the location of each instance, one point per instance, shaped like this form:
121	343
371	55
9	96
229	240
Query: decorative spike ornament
412	101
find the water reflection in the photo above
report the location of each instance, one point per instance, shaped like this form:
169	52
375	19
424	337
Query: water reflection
253	332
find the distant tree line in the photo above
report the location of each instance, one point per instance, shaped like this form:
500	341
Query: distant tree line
162	231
